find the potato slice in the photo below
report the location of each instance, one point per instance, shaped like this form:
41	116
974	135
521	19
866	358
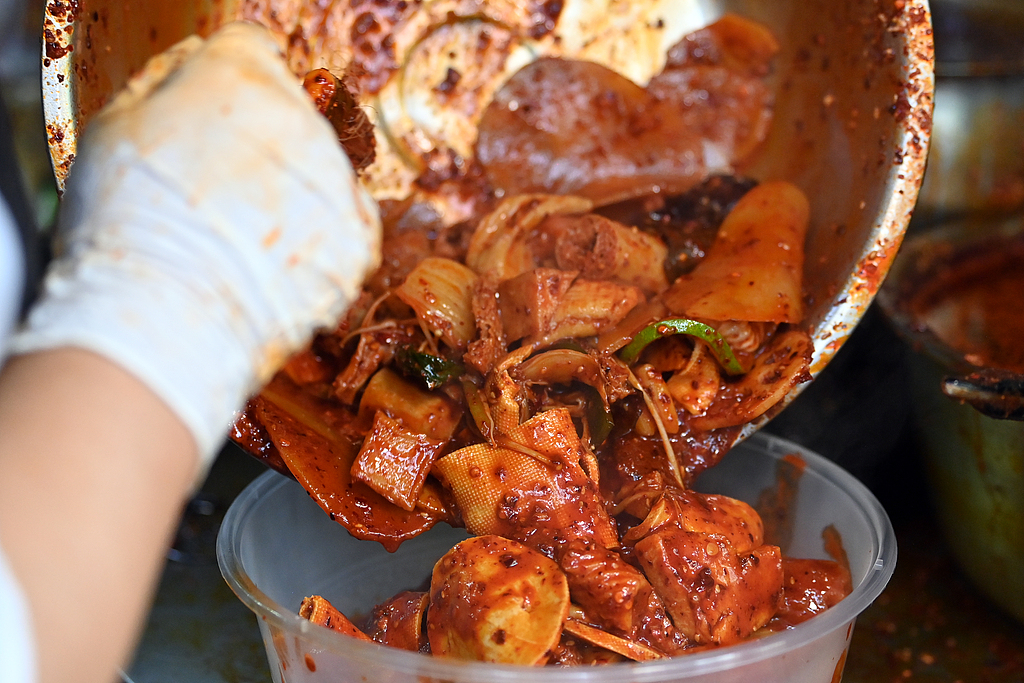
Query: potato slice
754	270
495	600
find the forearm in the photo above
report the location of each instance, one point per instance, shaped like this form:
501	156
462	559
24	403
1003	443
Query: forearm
95	470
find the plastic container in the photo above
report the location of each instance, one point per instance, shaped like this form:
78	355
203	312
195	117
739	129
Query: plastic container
276	547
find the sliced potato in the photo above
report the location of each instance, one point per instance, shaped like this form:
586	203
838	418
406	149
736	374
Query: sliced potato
495	600
754	270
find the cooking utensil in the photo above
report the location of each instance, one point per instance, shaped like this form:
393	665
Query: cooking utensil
968	418
853	82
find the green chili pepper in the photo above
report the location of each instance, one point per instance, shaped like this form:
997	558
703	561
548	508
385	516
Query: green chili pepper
719	347
432	370
599	417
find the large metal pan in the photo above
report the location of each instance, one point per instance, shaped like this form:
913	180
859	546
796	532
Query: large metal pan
853	83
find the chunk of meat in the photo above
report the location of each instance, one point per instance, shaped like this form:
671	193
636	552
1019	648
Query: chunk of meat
602	583
705	513
532	488
714	594
489	346
602	249
499	246
339	106
528	302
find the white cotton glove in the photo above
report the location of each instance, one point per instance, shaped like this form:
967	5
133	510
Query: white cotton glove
211	223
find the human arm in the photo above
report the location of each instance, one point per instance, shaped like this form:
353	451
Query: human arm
88	503
211	224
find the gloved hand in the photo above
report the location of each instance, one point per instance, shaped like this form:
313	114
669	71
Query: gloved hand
211	223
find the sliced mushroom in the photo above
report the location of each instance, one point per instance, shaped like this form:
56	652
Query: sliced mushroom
495	600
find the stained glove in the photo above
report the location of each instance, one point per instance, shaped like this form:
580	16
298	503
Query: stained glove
211	224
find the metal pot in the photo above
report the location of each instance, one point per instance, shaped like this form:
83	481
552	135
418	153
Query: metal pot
854	85
968	417
976	162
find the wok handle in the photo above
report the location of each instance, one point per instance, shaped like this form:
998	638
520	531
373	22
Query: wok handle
994	393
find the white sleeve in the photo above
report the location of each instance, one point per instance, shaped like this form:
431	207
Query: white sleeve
17	644
12	274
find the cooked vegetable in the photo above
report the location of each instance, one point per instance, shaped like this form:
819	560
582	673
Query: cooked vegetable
754	270
780	367
433	371
441	292
716	344
423	412
399	622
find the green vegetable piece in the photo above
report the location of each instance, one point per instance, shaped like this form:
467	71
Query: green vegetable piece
477	409
432	370
719	347
599	417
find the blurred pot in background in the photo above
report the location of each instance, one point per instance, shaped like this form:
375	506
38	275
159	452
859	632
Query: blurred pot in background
955	295
976	163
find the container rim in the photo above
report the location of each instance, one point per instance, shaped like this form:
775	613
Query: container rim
883	542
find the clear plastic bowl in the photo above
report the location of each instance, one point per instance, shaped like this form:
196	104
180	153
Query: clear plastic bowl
276	547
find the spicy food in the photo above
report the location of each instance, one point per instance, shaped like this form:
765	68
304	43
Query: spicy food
553	371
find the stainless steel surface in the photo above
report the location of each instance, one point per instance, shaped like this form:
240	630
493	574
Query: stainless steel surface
852	124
